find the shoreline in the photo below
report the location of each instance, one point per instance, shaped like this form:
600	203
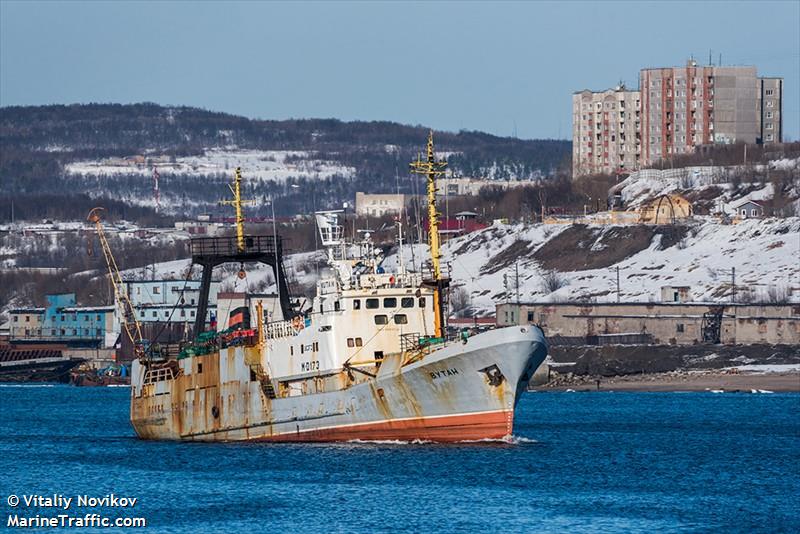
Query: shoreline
682	382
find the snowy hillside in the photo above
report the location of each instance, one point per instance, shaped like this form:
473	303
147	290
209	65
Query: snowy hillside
579	262
262	165
717	186
766	255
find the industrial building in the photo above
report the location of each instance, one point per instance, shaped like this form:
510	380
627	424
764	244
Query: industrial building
378	205
63	322
676	109
451	186
174	301
675	322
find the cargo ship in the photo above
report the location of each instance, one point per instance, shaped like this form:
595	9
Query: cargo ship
369	359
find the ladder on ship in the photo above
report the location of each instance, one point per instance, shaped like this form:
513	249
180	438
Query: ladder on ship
264	380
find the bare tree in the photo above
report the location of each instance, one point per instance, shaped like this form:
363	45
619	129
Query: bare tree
776	295
460	302
553	281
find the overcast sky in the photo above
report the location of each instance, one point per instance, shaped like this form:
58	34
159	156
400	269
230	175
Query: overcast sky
496	67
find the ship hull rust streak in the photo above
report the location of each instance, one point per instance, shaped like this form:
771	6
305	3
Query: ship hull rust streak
460	392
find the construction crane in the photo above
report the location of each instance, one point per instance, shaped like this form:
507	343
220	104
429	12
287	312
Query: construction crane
127	314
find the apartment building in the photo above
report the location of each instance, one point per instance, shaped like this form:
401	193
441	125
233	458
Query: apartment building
606	135
685	107
676	110
770	99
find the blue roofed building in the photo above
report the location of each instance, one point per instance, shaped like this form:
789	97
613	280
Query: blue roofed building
62	321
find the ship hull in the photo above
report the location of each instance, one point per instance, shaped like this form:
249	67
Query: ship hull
464	391
38	370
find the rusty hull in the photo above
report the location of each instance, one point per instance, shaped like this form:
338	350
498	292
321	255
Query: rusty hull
459	392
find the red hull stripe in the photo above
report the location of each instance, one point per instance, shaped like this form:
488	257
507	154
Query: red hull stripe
448	428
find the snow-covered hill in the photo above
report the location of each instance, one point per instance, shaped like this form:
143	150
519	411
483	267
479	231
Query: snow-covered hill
765	253
579	262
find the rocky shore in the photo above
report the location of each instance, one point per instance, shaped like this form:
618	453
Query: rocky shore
671	368
716	381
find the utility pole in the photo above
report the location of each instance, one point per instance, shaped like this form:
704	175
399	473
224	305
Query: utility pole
516	267
733	285
618	298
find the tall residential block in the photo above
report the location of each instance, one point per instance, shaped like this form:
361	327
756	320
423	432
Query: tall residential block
606	131
770	99
681	108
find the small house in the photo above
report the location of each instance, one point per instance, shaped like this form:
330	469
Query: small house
747	209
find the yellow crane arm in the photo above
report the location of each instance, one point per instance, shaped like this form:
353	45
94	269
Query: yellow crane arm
128	315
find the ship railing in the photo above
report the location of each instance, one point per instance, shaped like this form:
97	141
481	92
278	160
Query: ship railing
229	246
410	342
327	286
158	375
384	280
280	329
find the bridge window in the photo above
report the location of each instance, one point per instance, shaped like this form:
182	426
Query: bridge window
381	319
358	342
356	304
401	318
390	302
407	302
372	304
351	342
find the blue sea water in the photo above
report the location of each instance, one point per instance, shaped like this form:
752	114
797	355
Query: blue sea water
599	462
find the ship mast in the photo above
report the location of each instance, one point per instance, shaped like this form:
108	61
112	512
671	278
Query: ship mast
237	203
431	169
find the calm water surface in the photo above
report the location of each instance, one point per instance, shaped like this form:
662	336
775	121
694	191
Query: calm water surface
600	462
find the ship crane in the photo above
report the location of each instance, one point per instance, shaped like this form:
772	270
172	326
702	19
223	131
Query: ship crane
130	324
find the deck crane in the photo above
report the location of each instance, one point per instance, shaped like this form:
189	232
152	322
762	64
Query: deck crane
123	303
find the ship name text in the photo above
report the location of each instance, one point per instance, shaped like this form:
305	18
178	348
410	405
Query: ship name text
435	375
